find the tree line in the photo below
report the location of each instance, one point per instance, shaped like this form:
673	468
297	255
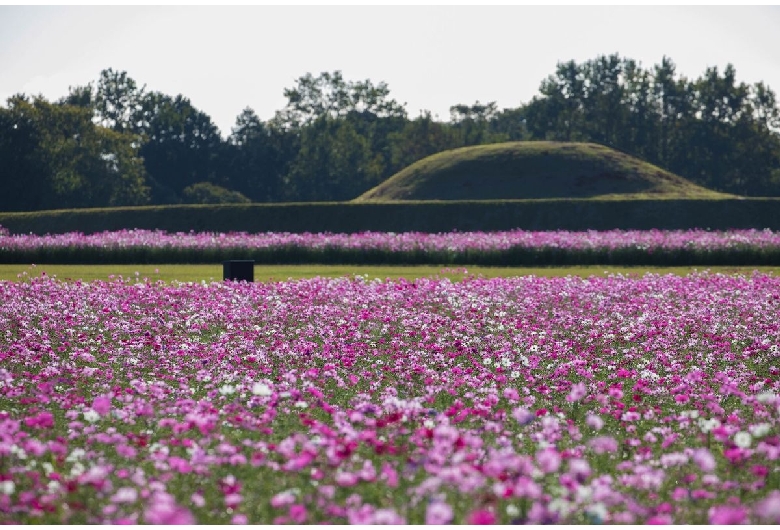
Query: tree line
113	142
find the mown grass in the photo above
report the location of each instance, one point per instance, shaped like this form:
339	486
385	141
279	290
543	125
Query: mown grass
534	170
265	273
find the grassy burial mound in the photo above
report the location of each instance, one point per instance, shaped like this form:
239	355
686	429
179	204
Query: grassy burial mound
534	170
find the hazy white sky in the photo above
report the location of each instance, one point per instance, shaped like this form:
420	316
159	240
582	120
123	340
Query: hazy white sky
228	58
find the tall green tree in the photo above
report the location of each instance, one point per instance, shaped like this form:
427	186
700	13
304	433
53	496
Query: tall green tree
334	163
471	122
254	159
118	101
329	94
181	145
66	160
419	138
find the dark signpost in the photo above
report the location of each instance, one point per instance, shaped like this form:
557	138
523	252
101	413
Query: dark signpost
239	270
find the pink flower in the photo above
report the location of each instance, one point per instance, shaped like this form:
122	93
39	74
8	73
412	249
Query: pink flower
511	394
578	391
594	422
727	515
232	500
168	513
179	464
549	460
579	468
239	518
438	513
284	498
389	474
522	415
603	444
346	479
769	508
124	495
704	459
387	516
481	517
660	519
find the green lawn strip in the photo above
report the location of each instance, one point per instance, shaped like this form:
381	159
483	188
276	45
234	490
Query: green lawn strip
197	273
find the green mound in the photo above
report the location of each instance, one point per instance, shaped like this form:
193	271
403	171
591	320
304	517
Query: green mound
534	170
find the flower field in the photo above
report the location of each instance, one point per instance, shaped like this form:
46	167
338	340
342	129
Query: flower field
517	247
519	400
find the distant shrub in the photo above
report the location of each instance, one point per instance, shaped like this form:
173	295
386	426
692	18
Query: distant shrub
208	193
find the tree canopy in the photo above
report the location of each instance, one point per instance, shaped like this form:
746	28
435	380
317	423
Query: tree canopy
113	142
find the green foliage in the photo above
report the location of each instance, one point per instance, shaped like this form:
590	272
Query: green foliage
330	95
181	143
55	156
335	138
334	162
208	193
711	130
420	138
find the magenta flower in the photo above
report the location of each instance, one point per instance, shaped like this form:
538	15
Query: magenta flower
298	513
43	420
481	517
102	405
660	519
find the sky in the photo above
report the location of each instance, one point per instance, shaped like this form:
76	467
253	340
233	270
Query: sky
225	59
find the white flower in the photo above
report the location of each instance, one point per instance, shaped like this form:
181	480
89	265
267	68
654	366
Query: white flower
124	495
226	390
512	510
261	389
487	361
7	487
77	454
301	404
766	397
91	416
597	511
760	429
505	362
514	375
707	425
743	439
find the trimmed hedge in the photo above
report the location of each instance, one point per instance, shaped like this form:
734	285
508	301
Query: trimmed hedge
418	216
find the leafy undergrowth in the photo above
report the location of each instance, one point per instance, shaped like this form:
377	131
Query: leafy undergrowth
508	400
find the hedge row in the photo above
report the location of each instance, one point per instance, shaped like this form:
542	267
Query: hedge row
516	256
422	216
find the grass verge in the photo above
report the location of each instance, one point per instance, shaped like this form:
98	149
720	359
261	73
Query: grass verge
264	273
